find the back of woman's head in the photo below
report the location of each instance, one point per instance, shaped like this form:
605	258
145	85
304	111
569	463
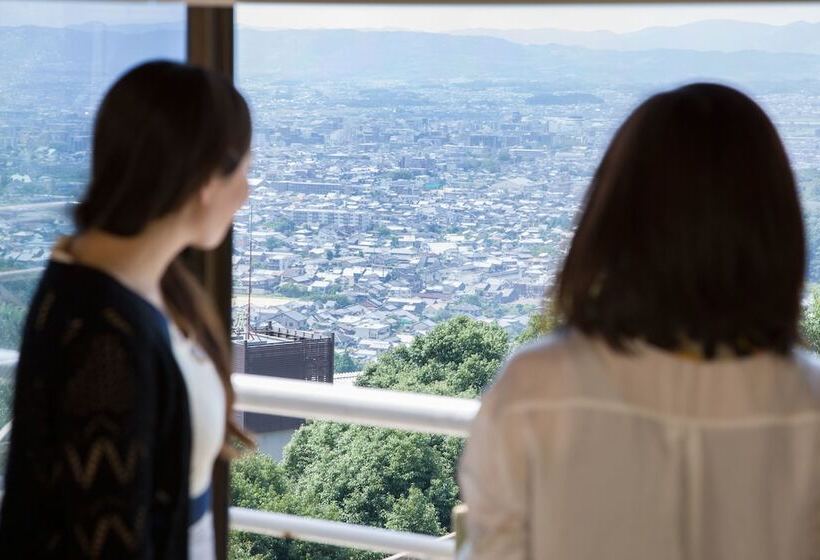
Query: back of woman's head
162	131
691	230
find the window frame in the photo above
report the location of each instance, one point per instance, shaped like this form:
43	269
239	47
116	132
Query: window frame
210	30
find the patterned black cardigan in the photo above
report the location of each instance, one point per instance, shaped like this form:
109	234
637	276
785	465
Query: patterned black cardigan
101	435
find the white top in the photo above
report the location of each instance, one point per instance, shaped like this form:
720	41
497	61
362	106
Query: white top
582	453
206	401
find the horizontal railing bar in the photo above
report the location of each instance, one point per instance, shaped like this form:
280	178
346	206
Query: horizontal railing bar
59	204
347	535
356	405
407	555
20	273
5	431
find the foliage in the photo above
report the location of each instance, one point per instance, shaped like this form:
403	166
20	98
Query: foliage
258	482
415	513
296	291
6	402
543	322
810	322
272	243
374	476
11	322
458	357
344	363
402	174
283	225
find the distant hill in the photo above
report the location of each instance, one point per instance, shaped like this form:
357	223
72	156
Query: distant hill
408	56
566	99
37	54
32	54
709	35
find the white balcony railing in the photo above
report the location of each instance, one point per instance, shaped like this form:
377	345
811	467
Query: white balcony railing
356	405
280	525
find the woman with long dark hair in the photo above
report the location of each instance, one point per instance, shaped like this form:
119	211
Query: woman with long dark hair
123	398
673	415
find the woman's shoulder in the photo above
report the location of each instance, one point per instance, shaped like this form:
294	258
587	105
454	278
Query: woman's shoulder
807	364
82	326
75	297
544	369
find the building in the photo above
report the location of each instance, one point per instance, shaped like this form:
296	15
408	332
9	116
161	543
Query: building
332	217
279	352
308	187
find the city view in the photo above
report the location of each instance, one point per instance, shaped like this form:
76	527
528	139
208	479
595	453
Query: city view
407	184
441	175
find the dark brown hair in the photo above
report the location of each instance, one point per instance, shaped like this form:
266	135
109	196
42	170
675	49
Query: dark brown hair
162	131
691	231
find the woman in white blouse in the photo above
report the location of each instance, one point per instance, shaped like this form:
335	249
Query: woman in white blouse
672	416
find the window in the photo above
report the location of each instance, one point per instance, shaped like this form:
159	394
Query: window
58	61
416	173
414	164
405	177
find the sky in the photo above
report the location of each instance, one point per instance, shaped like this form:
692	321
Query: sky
623	18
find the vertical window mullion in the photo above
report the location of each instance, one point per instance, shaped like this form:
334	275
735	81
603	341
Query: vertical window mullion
210	44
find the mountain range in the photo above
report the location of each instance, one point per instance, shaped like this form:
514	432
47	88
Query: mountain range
708	35
32	54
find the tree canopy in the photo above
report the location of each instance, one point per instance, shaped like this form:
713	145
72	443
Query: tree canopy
810	322
373	476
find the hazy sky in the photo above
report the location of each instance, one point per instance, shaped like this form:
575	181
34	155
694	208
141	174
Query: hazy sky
428	18
590	17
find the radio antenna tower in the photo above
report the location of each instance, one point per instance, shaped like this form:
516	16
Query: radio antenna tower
250	269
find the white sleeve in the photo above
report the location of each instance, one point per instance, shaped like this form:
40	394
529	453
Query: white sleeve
493	477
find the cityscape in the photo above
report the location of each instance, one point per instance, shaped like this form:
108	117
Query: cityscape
404	184
379	220
377	212
379	207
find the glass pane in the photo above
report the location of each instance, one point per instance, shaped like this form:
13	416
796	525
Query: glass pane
417	164
58	60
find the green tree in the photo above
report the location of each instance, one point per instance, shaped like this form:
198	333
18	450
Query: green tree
272	243
259	482
414	513
11	321
342	301
810	322
6	398
344	363
402	174
366	474
543	322
375	476
283	225
458	357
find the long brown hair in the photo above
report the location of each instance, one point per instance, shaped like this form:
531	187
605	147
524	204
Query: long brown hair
691	231
162	131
